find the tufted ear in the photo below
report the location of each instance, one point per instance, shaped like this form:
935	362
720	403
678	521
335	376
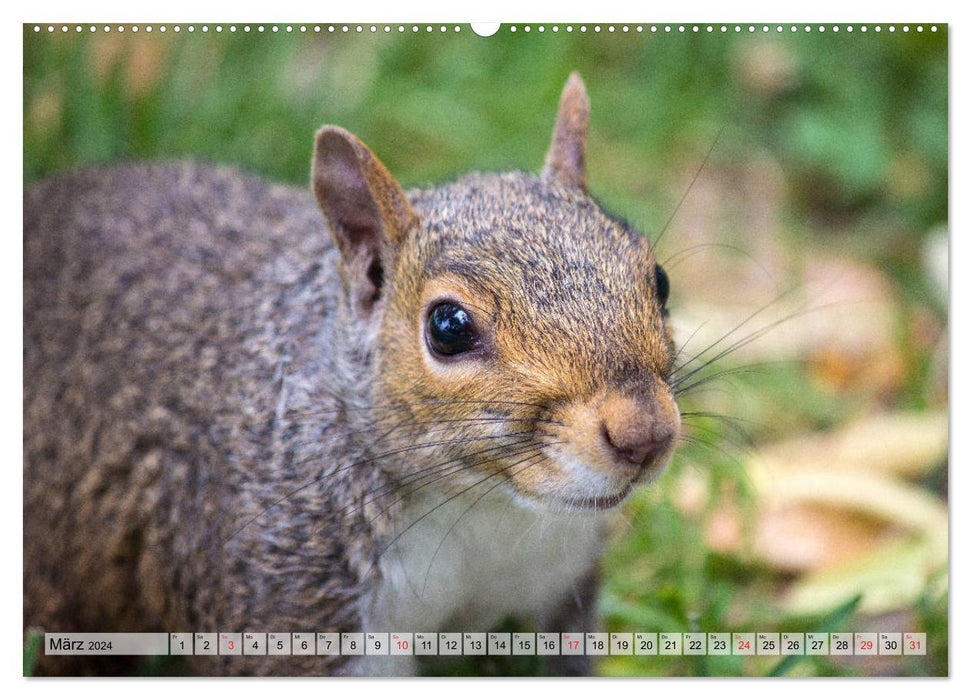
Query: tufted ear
367	211
566	158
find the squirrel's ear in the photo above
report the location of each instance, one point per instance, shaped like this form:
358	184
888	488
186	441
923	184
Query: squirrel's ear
367	211
566	158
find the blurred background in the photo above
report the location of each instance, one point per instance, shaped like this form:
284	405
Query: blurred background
808	261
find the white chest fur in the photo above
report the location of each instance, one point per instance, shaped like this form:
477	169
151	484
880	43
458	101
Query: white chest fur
467	565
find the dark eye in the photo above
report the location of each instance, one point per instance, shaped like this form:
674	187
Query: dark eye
662	285
450	330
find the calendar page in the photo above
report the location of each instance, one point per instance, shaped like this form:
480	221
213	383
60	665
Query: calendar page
514	349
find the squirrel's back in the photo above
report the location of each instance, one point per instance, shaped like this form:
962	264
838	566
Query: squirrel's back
174	289
167	309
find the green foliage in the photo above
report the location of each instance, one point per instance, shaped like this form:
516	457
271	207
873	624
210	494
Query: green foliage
834	622
32	647
858	121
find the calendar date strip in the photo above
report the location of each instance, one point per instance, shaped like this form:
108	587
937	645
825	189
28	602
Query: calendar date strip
487	644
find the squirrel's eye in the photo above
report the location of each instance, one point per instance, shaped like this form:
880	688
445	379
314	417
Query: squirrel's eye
450	330
662	285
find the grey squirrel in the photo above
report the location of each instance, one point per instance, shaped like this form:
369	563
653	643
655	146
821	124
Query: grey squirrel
413	413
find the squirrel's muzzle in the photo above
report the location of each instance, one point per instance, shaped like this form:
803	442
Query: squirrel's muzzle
602	445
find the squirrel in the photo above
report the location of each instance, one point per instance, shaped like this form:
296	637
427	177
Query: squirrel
246	410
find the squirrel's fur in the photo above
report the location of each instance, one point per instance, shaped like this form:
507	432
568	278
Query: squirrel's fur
233	420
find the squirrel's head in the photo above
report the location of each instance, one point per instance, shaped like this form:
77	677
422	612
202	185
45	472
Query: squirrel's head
516	329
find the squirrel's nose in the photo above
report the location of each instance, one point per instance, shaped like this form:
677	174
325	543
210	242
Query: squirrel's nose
636	449
635	435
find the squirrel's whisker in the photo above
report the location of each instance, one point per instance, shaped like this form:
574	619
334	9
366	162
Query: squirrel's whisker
397	405
677	354
732	421
314	456
290	417
435	508
530	461
447	468
433	470
389	440
479	458
744	443
316	480
675	259
693	440
746	340
439	426
677	208
452	471
750	368
680	390
739	326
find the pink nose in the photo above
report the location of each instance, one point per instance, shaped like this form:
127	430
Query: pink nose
635	431
638	450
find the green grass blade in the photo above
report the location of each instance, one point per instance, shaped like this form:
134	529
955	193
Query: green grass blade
829	623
